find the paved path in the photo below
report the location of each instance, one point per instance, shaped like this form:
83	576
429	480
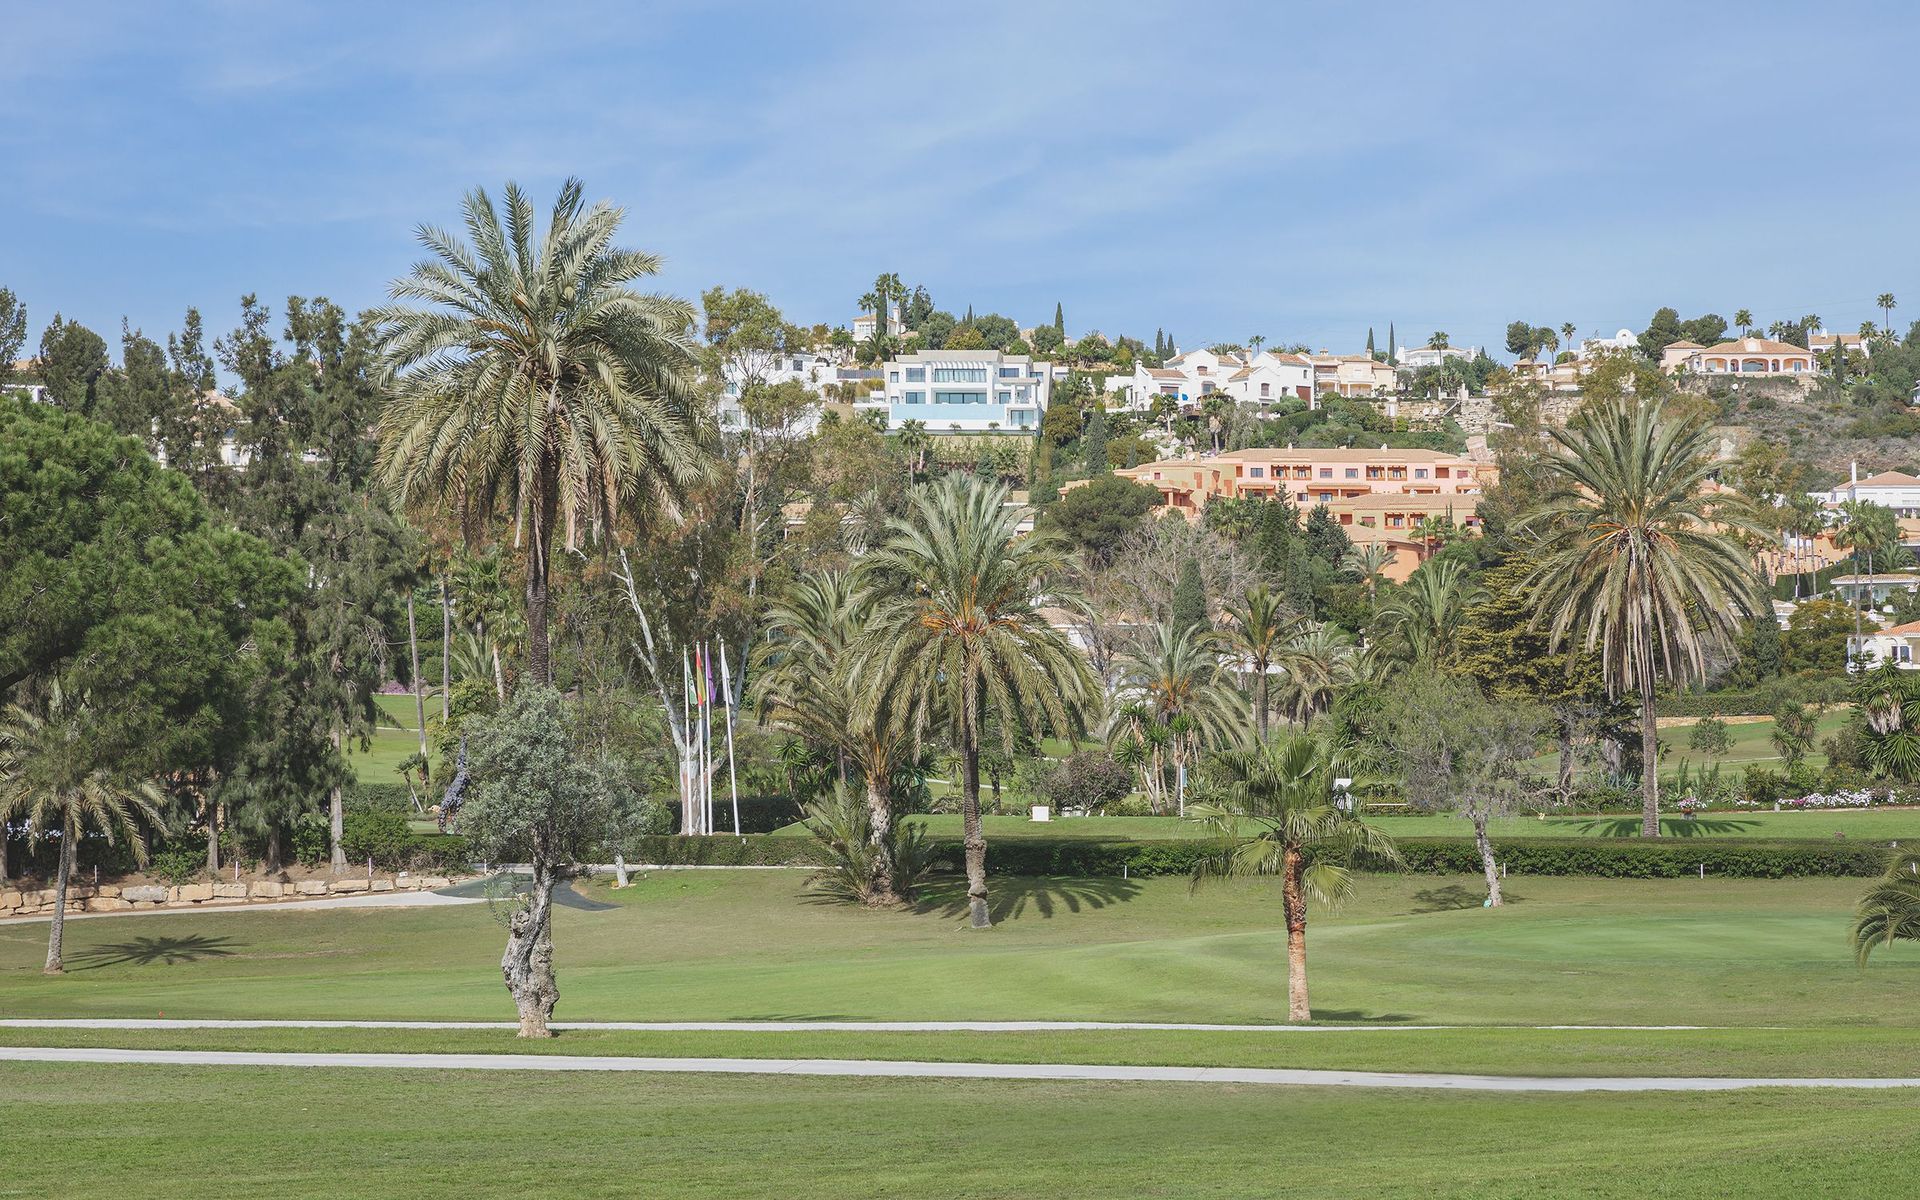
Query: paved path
784	1026
922	1070
358	900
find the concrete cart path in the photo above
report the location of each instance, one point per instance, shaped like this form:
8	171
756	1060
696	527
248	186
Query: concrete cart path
356	900
164	1023
923	1070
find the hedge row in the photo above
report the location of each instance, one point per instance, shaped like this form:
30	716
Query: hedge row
1667	858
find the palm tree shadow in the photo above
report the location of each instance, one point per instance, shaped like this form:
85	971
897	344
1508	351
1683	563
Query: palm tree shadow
1621	827
1456	896
148	950
1010	898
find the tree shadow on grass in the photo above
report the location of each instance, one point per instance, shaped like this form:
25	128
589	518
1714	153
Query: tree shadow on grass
1355	1016
1623	827
1446	899
148	950
1013	898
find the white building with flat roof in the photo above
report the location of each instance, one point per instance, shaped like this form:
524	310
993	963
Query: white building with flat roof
964	391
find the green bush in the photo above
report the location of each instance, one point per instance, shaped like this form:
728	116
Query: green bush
311	840
377	797
377	834
178	862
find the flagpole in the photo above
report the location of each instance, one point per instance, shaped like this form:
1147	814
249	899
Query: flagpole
733	778
687	816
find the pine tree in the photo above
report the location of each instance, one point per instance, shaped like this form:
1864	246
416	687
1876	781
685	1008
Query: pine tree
1094	442
1325	539
1189	596
1059	320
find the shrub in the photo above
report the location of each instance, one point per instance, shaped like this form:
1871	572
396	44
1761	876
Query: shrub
1087	780
842	843
1709	736
178	862
311	840
377	834
758	814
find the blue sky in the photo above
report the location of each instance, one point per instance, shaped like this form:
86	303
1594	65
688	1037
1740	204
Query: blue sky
1300	171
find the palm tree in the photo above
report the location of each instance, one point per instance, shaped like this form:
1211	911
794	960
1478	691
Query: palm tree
804	685
914	442
1889	912
1176	677
49	779
1886	304
535	377
1369	561
1437	339
1314	664
1744	319
1277	809
1425	612
956	628
1256	626
1567	331
1870	529
1636	560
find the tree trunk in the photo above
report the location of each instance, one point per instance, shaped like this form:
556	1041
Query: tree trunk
274	862
1487	864
1293	899
1565	739
620	879
527	965
419	695
1649	760
1260	699
3	851
57	932
883	889
974	836
213	838
446	652
336	819
539	652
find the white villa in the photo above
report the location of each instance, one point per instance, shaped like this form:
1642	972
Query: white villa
1742	356
963	391
1433	356
1889	489
1896	645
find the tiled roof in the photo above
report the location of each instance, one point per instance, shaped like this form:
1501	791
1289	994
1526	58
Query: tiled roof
1754	345
1887	479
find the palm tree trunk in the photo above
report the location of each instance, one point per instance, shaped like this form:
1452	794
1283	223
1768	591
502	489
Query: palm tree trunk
1293	899
3	852
1649	760
1260	703
973	835
57	932
1487	864
527	965
882	888
446	651
419	695
539	661
336	818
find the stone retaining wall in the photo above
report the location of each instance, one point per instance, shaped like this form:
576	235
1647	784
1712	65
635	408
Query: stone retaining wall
86	897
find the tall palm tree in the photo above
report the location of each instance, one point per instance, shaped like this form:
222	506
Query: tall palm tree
1425	612
533	376
1257	624
914	443
956	629
1744	319
1175	675
1567	330
48	778
1277	810
1871	530
1886	304
1369	561
1314	663
804	684
1636	560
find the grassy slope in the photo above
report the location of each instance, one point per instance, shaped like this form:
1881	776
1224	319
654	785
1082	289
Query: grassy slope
720	945
191	1132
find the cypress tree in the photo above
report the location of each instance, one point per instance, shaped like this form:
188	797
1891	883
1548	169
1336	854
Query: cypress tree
1392	352
1369	341
969	319
1189	596
1094	442
1059	321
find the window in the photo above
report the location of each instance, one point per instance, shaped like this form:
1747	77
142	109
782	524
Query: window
1009	372
916	374
1003	397
1326	497
893	377
1353	472
1419	472
1326	472
1256	472
916	398
959	397
959	375
1206	389
1266	389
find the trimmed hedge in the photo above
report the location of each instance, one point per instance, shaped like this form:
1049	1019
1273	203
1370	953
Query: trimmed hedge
1620	858
758	814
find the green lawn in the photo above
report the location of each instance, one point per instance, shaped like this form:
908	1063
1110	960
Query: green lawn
743	945
395	737
1877	825
195	1132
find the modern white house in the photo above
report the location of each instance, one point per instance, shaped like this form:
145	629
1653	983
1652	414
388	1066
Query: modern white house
1433	356
963	391
1889	489
814	371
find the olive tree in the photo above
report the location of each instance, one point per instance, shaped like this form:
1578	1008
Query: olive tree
1454	748
539	797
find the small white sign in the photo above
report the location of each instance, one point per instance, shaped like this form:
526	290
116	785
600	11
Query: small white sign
1042	813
